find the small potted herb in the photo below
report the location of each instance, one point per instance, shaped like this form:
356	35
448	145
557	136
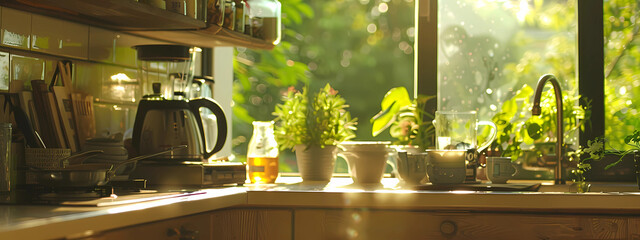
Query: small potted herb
313	126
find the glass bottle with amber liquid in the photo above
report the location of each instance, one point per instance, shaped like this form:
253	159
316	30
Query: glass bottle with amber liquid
262	155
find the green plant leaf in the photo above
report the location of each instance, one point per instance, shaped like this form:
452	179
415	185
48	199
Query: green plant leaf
510	107
395	99
382	121
524	93
534	130
398	97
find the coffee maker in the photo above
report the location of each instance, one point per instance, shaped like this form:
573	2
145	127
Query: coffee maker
162	123
167	118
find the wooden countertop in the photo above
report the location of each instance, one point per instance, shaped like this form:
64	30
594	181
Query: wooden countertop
43	222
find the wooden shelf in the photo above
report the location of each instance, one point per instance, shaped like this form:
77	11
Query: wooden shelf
140	19
212	36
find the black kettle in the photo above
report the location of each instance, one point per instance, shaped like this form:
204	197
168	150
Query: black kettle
161	124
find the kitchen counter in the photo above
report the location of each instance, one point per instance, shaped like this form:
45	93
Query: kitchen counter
39	222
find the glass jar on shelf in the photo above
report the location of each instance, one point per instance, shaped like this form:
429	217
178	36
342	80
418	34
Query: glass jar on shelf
247	19
266	20
215	12
262	154
229	17
240	15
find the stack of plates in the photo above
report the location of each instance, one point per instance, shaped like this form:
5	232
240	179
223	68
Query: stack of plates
114	153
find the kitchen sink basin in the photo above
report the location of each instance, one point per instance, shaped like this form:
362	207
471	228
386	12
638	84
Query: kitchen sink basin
604	187
532	186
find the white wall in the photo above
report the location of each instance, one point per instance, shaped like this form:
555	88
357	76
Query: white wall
223	75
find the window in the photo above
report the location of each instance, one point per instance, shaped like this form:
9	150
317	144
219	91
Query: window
362	48
491	55
475	55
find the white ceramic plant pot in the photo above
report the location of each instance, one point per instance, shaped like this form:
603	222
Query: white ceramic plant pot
316	163
367	160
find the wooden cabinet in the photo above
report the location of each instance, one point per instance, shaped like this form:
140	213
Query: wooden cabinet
384	224
309	224
195	227
221	224
252	224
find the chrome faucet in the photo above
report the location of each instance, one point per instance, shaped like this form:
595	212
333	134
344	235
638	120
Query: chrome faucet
535	110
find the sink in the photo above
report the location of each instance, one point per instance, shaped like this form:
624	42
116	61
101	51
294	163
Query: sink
605	187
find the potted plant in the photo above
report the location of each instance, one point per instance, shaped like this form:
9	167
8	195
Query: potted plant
313	126
406	119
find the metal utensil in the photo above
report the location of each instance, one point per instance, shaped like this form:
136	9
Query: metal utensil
23	123
88	175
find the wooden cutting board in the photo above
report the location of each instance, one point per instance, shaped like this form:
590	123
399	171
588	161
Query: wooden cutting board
84	117
64	105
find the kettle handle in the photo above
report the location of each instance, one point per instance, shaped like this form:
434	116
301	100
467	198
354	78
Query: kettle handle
221	120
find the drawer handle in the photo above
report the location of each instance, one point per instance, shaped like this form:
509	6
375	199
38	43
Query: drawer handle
448	228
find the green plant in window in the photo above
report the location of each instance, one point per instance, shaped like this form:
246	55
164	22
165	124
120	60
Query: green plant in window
318	120
516	126
594	151
633	144
406	120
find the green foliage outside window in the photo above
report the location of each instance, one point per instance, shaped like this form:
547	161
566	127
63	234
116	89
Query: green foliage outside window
622	70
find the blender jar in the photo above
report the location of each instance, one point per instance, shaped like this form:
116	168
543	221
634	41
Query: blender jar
170	66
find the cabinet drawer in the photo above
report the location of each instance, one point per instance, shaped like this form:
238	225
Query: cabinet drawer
197	227
361	224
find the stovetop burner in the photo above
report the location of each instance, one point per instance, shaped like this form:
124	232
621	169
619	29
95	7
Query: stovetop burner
38	194
50	195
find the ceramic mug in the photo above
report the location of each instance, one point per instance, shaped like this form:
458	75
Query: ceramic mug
446	166
412	167
500	169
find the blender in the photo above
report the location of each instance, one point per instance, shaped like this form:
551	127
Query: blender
170	66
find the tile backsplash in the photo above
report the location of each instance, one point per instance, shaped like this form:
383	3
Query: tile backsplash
16	28
104	63
58	37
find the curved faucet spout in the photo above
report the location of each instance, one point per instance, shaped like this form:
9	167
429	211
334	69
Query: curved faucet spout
535	110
